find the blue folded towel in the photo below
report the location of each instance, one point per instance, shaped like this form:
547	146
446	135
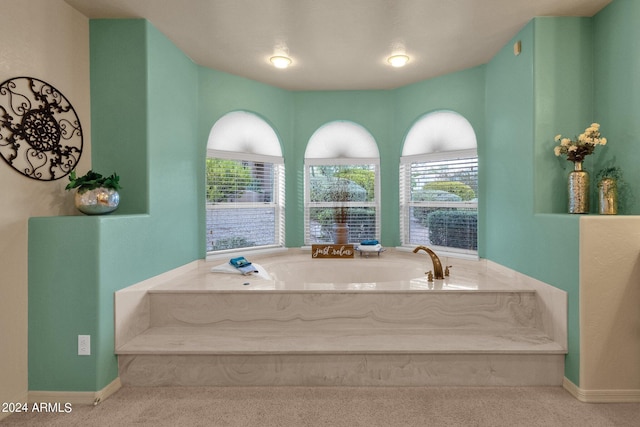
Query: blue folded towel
239	262
243	265
369	242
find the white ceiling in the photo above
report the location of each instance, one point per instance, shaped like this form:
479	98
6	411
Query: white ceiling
338	44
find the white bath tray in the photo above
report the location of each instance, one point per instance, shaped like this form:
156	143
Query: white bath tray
369	252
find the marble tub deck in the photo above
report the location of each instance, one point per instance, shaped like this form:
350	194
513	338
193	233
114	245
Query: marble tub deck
211	317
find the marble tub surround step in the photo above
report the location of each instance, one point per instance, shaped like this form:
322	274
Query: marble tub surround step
372	310
346	340
353	338
395	370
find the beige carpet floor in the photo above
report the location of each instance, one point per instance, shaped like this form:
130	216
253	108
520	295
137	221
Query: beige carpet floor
335	407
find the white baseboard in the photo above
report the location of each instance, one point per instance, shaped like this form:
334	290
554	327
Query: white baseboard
75	397
601	396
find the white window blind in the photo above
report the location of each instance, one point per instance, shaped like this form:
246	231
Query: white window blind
245	202
337	191
439	200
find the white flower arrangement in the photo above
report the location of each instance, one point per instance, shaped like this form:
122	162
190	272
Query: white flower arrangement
584	144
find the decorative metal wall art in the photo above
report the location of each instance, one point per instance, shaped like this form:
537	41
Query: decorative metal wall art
40	133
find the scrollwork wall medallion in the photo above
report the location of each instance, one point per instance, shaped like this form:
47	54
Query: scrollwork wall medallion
40	133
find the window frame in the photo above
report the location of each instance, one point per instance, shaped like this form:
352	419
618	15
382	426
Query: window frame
278	202
341	161
406	202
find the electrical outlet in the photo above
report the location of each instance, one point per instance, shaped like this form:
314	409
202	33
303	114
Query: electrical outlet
84	345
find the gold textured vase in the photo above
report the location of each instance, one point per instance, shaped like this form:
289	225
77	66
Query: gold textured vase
578	190
608	196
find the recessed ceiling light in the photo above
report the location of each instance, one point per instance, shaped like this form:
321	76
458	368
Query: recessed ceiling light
280	61
398	60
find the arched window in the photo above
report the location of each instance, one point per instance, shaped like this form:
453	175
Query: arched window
245	184
342	182
439	184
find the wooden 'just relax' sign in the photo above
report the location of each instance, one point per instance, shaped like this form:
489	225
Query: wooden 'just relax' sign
332	251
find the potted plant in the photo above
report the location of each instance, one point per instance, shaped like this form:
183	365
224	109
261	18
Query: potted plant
342	195
608	180
95	194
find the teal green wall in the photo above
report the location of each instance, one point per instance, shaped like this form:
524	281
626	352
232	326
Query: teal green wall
616	67
545	91
63	302
118	134
76	263
508	164
563	102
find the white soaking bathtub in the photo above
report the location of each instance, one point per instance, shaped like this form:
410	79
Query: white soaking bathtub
356	270
392	270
